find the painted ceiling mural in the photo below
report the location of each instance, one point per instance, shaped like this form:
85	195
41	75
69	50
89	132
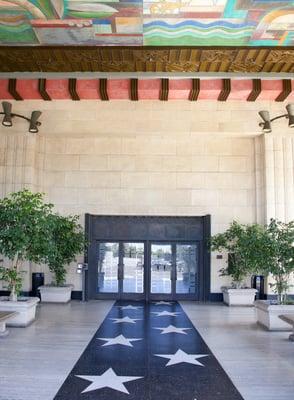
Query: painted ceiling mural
147	22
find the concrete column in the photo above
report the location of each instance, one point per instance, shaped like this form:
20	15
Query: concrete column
279	182
18	170
288	147
259	179
278	172
269	178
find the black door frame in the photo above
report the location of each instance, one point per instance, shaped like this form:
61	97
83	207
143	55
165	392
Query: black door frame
147	229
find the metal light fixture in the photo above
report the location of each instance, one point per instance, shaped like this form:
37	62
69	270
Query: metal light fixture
290	111
266	124
34	123
8	115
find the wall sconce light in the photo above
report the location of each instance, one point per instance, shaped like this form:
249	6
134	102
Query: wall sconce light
8	115
266	124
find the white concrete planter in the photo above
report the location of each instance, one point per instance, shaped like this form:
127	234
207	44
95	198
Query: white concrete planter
25	308
268	315
238	297
55	294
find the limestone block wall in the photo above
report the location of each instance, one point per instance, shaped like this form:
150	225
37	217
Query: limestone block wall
145	158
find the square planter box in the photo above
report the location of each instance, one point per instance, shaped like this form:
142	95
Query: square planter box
55	294
268	315
4	317
25	308
239	297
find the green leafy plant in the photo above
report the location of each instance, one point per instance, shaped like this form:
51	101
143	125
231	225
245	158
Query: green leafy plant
24	231
66	242
13	279
239	242
278	248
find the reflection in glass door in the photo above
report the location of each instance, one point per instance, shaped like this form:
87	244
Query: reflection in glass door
174	271
161	268
133	268
120	272
186	268
108	261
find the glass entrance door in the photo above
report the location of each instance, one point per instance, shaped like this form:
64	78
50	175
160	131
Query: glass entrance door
173	271
161	269
108	268
186	268
121	270
133	268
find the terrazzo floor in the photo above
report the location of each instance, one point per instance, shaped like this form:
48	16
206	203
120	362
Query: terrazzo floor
37	360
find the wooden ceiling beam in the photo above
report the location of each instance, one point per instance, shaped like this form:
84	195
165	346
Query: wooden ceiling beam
226	90
287	89
134	96
164	90
72	88
103	89
42	90
194	92
256	90
12	89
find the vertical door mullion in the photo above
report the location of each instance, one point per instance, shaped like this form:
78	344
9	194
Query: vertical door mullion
147	270
173	271
200	272
120	268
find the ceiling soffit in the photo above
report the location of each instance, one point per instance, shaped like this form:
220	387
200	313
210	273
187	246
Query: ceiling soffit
147	89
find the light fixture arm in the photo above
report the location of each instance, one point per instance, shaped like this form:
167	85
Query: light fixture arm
21	116
275	118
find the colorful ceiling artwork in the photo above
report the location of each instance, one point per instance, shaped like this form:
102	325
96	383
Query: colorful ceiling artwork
147	22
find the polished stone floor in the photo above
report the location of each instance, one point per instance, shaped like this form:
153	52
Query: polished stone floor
147	351
34	362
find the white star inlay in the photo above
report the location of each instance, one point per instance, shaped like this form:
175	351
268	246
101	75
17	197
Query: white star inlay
108	379
125	319
164	313
121	339
129	307
181	357
173	329
163	303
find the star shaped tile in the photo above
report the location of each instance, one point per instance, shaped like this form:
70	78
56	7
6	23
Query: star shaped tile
173	329
163	303
125	319
120	339
181	357
165	313
108	379
129	307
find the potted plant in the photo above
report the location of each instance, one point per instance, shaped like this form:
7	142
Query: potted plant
23	238
65	243
238	242
278	265
13	279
